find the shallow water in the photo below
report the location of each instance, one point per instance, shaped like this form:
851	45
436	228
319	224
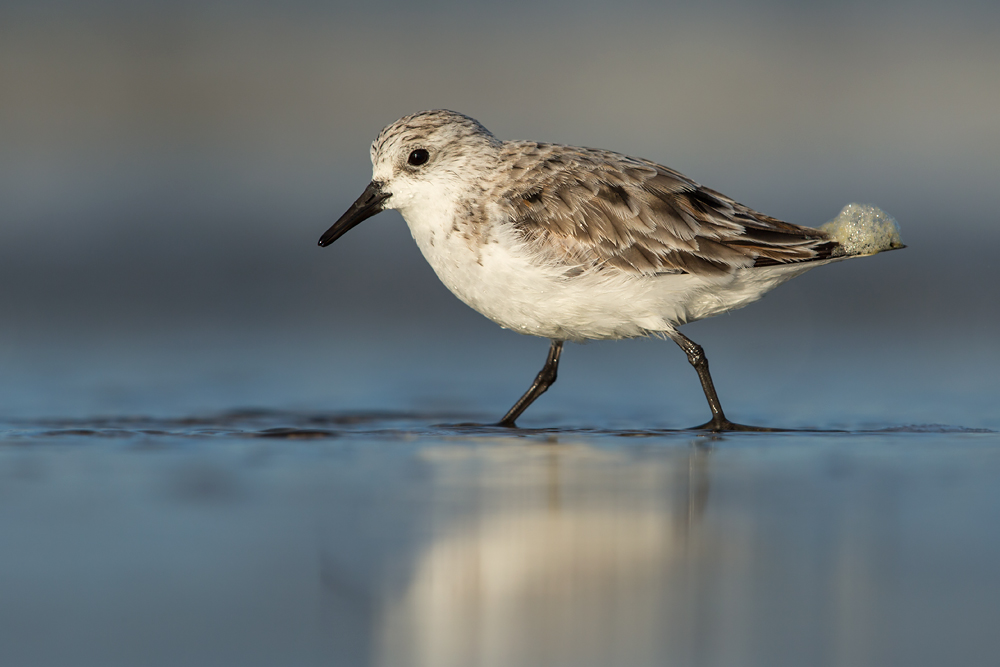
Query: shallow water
399	538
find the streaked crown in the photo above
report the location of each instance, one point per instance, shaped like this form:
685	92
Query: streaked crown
448	137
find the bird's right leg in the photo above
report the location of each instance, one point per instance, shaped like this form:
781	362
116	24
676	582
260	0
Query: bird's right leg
543	381
696	357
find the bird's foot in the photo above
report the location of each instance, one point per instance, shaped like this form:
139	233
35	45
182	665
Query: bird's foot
481	425
719	424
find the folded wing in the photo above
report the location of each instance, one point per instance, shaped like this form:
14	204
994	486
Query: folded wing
594	208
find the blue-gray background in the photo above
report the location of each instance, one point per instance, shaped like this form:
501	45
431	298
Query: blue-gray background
169	329
166	170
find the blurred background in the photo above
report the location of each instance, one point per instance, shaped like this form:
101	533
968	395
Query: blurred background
169	326
167	168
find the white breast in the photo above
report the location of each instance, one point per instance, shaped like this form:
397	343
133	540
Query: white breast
489	268
492	271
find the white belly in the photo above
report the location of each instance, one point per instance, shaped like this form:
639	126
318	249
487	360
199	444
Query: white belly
495	275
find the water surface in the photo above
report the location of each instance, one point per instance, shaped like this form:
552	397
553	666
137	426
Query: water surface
394	538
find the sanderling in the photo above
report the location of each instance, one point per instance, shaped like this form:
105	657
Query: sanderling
581	244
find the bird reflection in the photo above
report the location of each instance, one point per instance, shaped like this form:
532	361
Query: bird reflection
564	554
693	482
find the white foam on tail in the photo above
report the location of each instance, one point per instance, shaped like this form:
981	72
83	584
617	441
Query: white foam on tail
863	229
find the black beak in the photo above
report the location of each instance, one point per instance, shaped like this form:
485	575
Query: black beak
368	204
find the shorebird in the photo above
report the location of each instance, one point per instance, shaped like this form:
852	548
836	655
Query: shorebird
585	244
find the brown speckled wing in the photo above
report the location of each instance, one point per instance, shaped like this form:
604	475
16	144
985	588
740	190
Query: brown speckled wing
591	207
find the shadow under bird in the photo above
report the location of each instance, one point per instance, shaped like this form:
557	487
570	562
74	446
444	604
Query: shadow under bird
585	244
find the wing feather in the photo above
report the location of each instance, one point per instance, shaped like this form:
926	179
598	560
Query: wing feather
594	208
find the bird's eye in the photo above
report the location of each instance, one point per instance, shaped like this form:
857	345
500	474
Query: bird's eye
418	157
